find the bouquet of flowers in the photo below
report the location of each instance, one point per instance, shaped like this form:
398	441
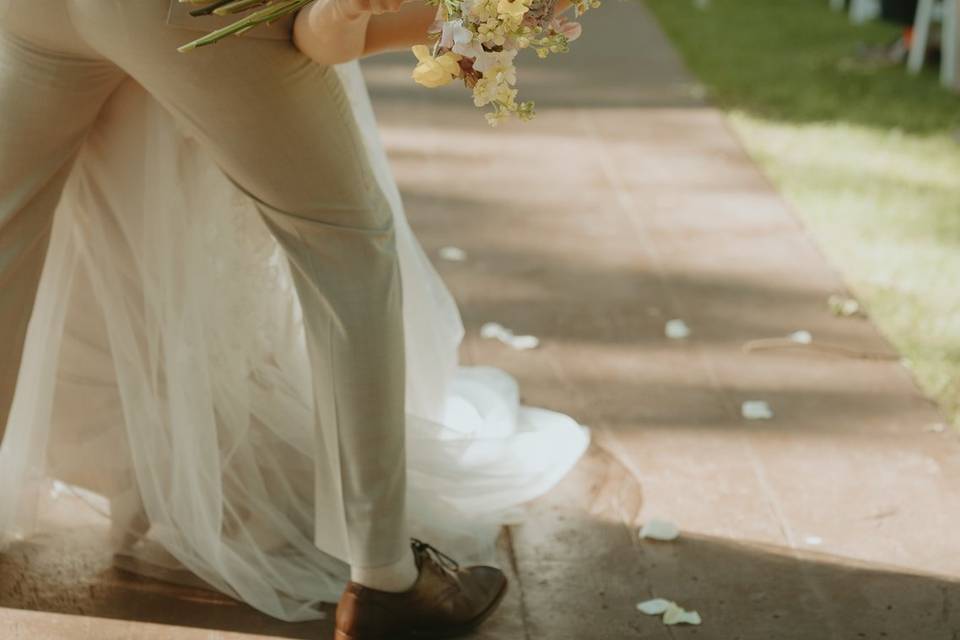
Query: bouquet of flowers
474	40
478	40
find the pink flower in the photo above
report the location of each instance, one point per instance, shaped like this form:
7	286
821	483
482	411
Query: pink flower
567	28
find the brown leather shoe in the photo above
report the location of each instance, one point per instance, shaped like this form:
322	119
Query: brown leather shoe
446	601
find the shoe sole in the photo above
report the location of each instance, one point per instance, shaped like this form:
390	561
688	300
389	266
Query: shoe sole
445	635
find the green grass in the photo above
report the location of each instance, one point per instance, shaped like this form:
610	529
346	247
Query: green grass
867	155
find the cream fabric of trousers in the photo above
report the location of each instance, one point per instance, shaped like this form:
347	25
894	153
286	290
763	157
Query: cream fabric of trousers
281	129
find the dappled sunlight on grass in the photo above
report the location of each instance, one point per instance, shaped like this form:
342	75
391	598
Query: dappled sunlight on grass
886	211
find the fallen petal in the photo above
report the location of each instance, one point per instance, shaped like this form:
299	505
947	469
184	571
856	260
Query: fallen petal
756	410
813	540
690	617
676	614
660	530
454	254
494	330
58	489
843	306
801	337
523	343
654	607
677	329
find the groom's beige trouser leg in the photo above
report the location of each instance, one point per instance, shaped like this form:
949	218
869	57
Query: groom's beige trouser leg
48	100
282	129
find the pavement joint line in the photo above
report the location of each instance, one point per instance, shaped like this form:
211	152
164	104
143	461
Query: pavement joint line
515	566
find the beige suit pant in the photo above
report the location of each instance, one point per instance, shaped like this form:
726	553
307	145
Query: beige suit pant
282	129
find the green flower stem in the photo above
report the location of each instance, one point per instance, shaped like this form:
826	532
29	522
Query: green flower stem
274	11
236	6
207	10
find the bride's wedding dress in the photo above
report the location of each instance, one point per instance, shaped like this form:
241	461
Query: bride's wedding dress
166	375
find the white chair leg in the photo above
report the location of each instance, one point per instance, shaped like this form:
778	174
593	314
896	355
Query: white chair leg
921	34
949	43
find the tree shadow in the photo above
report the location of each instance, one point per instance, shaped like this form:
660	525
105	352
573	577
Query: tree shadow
71	571
580	570
583	569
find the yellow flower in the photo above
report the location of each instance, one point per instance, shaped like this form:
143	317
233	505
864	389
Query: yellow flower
435	72
512	10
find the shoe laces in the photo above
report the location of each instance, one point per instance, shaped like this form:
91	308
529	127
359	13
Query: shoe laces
438	556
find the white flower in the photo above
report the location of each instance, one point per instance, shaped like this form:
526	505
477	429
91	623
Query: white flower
471	49
489	59
485	91
453	32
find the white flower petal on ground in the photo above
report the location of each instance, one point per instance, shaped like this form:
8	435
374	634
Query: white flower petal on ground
677	329
813	540
494	330
659	530
801	337
843	306
756	410
675	614
453	254
504	335
654	607
58	489
523	343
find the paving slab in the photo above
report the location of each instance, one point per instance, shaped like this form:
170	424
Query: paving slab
628	202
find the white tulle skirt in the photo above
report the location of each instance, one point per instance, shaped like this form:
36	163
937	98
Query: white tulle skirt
166	381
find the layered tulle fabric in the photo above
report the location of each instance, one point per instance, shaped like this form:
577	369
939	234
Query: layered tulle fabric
166	381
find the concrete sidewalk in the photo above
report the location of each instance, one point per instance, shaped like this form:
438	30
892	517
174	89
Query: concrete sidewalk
628	203
625	204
